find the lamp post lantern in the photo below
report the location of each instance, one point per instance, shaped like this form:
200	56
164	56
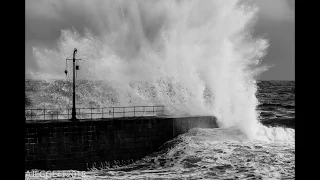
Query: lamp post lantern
73	115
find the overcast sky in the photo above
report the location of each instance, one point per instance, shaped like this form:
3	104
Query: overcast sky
276	22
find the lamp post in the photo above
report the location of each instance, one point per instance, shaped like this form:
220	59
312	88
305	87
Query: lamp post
73	114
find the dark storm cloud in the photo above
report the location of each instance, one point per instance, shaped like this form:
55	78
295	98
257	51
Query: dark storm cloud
45	19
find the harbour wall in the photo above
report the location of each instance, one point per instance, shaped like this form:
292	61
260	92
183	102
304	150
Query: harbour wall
64	145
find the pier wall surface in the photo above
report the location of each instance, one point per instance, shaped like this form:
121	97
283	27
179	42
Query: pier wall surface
57	145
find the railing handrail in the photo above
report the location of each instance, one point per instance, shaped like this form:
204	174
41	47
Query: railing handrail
90	108
51	112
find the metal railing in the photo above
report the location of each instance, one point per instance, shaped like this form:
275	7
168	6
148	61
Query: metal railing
93	113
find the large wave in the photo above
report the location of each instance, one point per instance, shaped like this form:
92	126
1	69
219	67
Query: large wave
195	57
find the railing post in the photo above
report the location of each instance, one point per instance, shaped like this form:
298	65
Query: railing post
91	113
123	112
102	113
68	112
153	109
44	114
144	110
31	114
134	111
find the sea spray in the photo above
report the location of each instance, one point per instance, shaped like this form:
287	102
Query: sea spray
195	57
273	134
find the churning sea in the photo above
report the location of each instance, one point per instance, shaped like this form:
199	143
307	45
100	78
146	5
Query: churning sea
221	153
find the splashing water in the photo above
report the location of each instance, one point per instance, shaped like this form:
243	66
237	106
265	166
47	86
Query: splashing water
194	57
218	153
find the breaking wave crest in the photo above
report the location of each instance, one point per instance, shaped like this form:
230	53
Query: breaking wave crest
194	57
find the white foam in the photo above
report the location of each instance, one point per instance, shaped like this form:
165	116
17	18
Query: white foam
275	134
170	53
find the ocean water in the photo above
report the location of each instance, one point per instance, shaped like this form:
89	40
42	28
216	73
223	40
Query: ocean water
221	153
277	103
